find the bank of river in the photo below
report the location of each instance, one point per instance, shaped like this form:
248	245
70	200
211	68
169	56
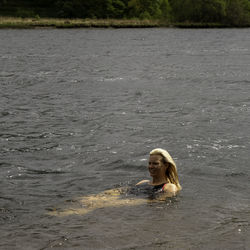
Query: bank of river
15	22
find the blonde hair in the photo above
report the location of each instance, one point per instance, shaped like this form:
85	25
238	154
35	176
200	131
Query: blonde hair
171	172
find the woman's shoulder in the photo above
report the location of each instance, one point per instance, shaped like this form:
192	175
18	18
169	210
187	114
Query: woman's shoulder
142	182
170	187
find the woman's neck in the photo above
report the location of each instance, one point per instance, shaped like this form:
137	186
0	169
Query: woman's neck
159	180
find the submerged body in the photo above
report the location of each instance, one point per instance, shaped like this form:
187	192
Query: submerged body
87	204
126	196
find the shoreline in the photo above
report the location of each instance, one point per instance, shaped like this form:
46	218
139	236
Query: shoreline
32	23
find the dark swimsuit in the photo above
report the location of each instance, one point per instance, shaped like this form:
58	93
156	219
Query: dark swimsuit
159	188
147	189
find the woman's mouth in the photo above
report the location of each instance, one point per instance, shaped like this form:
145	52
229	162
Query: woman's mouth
152	171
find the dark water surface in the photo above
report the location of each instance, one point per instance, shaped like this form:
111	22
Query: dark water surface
81	109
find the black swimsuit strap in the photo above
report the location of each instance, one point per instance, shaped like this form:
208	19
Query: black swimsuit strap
159	186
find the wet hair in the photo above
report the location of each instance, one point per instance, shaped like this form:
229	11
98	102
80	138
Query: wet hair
171	172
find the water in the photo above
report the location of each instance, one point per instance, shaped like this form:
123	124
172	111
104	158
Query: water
80	111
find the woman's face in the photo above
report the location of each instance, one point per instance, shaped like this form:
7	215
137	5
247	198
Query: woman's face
155	166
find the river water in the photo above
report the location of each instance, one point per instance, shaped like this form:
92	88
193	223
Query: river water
82	108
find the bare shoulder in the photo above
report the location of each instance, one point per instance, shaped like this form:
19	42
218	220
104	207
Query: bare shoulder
170	187
142	182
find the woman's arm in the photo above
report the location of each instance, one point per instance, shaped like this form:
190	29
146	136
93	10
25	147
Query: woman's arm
142	182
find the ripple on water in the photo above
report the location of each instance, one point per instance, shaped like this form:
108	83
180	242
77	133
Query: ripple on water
6	215
81	128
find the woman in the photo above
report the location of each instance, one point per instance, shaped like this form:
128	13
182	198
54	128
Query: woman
163	171
164	180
